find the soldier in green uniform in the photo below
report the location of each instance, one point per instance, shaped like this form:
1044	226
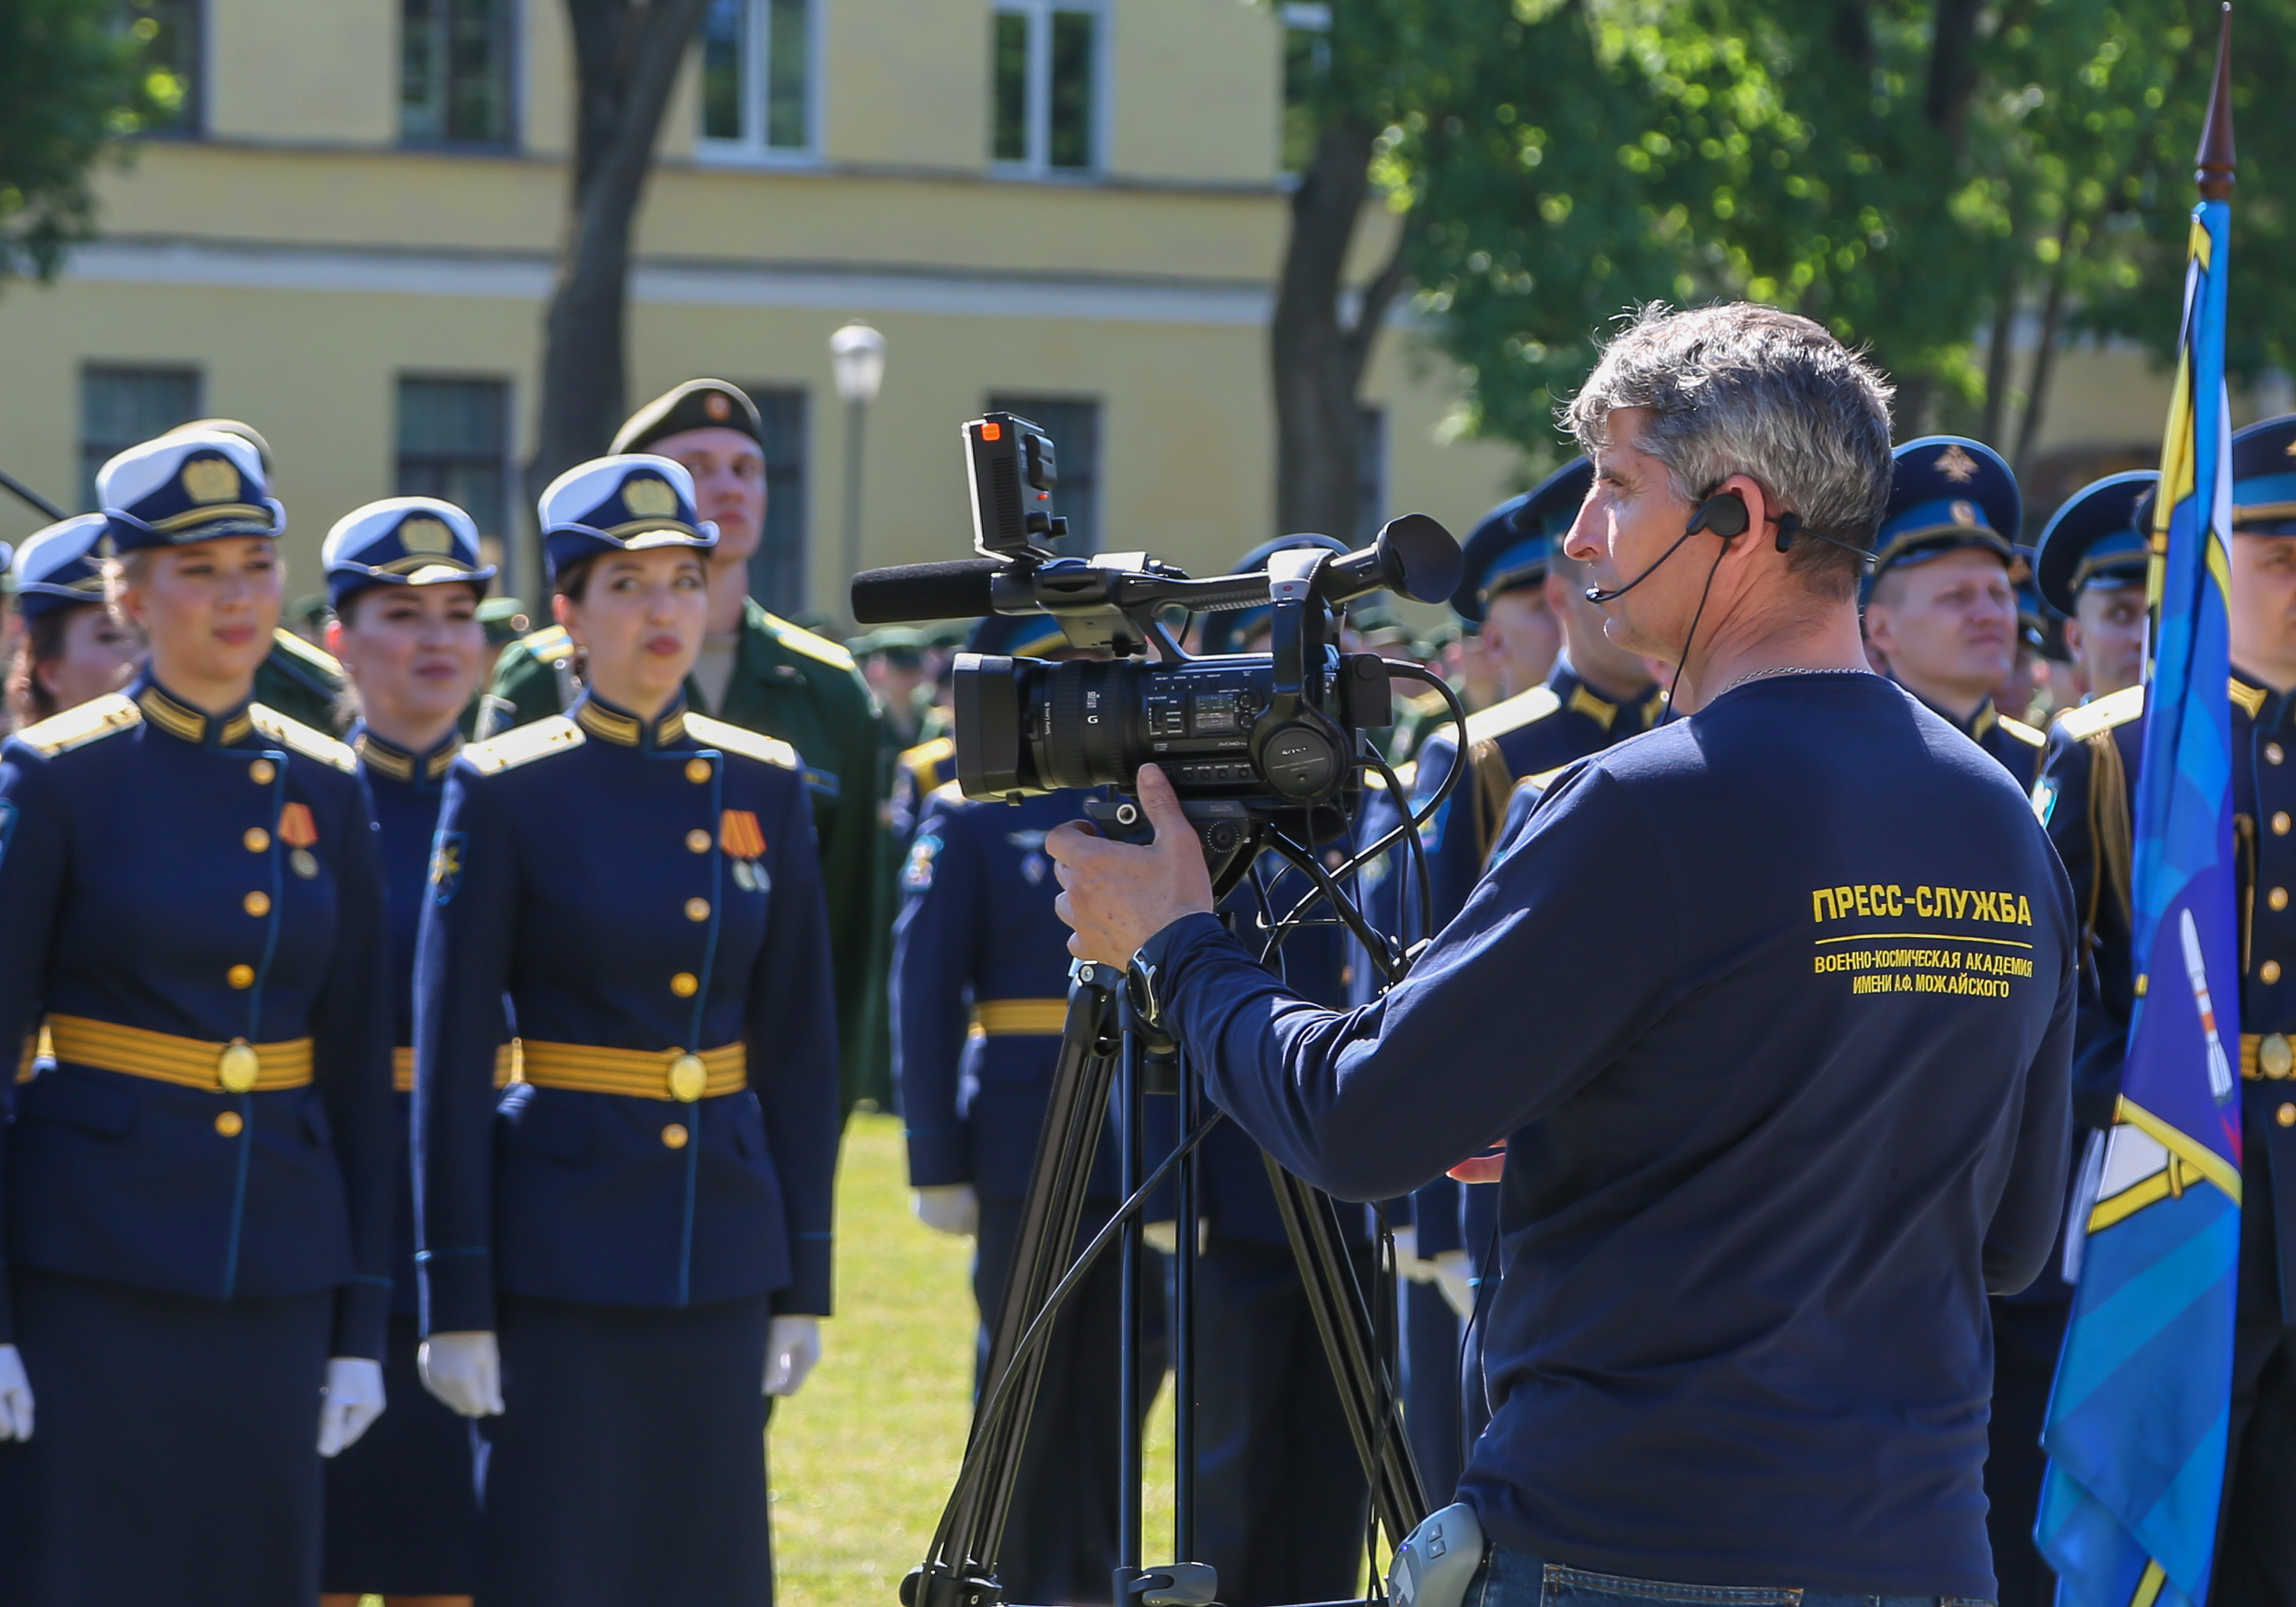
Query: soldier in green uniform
765	675
300	681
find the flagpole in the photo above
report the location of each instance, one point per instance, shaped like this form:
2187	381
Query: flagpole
2213	165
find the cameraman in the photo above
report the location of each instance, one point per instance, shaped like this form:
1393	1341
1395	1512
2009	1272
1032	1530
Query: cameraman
1802	969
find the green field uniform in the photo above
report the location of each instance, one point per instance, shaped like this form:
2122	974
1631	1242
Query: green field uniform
789	684
301	681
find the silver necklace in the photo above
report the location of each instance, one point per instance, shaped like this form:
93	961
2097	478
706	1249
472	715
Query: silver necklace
1786	669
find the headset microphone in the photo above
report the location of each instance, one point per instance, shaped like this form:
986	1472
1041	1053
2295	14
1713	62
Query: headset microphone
1725	515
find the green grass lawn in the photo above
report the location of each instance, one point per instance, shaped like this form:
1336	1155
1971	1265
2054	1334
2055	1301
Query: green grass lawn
864	1456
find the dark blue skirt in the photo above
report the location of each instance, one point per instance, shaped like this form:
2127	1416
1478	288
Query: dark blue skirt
629	1462
402	1504
175	1452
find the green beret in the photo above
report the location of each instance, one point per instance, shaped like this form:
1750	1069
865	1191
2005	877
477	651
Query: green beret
696	404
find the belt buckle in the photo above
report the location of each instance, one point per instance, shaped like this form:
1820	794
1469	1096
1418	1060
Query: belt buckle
688	1078
2274	1057
238	1065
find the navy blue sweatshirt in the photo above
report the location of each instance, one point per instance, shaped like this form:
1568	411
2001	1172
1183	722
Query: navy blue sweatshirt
1801	970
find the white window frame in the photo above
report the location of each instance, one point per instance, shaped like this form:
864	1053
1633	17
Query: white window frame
1037	113
751	151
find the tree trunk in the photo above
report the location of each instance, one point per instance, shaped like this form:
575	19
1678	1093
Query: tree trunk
1317	355
626	56
2045	355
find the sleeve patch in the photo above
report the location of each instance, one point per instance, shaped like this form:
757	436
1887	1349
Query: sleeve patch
917	874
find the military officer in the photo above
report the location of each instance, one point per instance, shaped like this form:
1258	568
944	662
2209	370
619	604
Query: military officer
73	647
1596	694
980	995
1941	601
296	678
2087	797
2090	567
197	1197
404	580
628	1250
765	675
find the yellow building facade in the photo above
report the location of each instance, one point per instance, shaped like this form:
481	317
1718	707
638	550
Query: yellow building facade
1071	204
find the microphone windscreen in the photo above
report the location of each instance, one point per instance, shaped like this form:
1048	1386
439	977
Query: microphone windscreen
956	590
1420	558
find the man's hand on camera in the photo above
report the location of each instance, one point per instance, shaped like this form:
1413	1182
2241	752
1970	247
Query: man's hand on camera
1118	896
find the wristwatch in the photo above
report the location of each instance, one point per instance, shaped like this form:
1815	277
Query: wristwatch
1143	988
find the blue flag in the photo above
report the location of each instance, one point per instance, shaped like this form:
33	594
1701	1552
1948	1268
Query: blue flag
2137	1423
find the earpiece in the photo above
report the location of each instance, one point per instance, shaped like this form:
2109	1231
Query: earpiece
1788	526
1724	514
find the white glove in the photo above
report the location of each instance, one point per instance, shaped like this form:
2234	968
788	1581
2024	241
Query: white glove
1453	1277
1163	1236
15	1396
947	1208
464	1370
792	1347
1406	1255
352	1399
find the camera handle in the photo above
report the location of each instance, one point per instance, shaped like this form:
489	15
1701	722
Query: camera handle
1223	826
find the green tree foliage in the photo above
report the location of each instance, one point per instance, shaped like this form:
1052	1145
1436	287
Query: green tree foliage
75	80
1919	176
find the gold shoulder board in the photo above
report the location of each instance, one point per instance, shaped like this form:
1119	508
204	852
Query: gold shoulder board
549	645
301	739
733	739
97	718
1512	715
798	639
524	744
948	791
927	756
2023	732
2117	709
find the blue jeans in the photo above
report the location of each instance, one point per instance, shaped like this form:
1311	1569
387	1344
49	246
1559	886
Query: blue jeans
1509	1578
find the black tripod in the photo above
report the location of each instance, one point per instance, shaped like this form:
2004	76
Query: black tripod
1105	1056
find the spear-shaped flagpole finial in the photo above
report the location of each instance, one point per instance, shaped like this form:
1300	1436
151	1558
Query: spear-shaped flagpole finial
2215	162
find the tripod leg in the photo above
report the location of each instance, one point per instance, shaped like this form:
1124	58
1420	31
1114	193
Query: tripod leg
1183	1327
1127	1354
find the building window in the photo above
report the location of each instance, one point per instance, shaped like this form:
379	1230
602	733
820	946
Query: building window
1307	63
757	78
453	442
1075	428
777	567
1371	474
1045	83
455	72
167	38
121	407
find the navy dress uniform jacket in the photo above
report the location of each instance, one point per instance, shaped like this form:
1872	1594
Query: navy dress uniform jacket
212	878
633	886
980	982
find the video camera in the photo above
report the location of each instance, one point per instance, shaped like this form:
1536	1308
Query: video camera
1243	736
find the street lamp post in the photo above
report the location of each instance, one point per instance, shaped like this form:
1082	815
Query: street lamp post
857	358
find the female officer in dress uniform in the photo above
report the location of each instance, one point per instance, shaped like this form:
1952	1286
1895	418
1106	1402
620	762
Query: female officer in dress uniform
644	1220
197	1198
404	577
74	647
